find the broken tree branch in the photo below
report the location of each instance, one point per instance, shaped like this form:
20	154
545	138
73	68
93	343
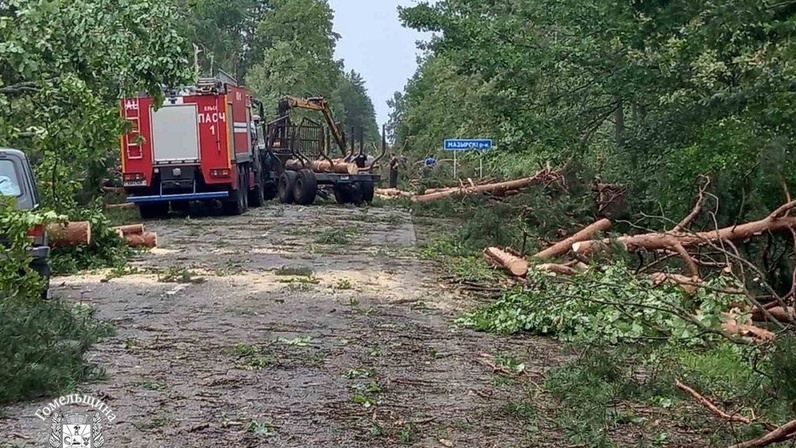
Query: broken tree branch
697	207
715	410
564	246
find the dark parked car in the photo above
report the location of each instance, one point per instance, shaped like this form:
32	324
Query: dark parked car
17	180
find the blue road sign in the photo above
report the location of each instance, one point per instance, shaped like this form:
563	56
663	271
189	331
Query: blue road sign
455	144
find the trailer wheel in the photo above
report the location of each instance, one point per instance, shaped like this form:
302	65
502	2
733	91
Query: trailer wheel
348	194
368	190
355	193
287	183
306	187
270	191
341	195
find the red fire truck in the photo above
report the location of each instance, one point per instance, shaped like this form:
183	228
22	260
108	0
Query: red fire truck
204	143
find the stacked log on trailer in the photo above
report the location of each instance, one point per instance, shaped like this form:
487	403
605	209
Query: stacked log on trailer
323	166
339	166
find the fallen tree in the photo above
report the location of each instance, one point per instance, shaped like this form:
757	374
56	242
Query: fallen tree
679	241
544	176
392	192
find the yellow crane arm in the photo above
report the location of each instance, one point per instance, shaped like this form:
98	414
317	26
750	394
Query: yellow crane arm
318	104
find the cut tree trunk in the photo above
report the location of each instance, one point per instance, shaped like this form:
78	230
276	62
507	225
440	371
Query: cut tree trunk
780	434
505	259
70	234
147	239
131	229
323	166
562	247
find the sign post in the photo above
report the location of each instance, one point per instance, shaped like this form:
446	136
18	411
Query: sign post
456	145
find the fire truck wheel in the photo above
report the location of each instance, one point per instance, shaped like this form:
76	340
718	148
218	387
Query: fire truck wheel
257	196
306	187
287	183
153	210
237	202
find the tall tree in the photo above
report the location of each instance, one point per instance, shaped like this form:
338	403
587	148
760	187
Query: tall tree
64	64
672	89
359	112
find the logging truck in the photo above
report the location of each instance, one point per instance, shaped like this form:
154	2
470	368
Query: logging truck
299	157
200	144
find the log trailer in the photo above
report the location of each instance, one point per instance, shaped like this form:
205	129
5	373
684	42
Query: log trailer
300	178
201	144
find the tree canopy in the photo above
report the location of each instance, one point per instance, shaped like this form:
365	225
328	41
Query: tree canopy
652	93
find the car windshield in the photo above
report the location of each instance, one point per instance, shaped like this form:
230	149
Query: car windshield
9	181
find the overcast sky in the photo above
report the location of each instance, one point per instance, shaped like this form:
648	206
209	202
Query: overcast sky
376	45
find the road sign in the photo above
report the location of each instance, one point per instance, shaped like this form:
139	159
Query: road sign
456	144
465	144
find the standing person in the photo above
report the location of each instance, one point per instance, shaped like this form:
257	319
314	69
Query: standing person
394	171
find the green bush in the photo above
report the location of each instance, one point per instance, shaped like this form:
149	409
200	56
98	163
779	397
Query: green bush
42	343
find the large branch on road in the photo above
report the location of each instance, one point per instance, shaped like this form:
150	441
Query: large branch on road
562	247
544	176
679	241
70	234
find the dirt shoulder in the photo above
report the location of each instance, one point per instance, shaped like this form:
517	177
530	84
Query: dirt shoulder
292	326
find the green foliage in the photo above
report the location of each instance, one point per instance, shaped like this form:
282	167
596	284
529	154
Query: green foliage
43	342
44	347
63	65
606	305
659	91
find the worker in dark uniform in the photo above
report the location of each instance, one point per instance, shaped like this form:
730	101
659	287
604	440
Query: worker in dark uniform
394	171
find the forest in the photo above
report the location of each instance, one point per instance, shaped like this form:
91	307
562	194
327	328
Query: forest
657	117
634	211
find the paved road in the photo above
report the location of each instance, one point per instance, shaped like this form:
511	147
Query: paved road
289	327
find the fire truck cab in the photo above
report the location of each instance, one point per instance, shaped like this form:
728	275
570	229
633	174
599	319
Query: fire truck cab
203	143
